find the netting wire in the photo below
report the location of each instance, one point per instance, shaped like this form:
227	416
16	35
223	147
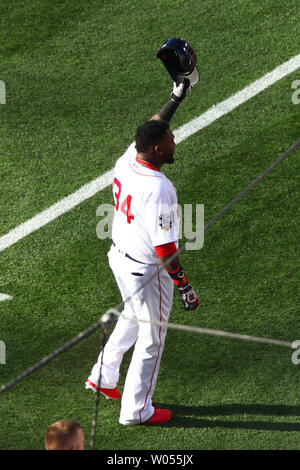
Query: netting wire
97	394
110	316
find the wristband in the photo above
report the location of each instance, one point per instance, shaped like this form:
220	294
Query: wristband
179	277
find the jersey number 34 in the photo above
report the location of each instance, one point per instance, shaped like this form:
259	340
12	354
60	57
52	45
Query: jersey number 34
125	206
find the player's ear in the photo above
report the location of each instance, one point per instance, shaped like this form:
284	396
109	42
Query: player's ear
157	150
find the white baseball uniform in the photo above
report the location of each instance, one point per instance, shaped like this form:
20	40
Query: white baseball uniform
145	217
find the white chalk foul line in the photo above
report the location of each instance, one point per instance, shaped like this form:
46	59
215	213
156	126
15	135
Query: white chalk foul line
182	133
54	211
5	297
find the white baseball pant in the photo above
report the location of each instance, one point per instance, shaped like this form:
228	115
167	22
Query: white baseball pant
153	302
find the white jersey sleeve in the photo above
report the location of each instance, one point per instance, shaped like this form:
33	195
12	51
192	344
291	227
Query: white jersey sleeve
161	213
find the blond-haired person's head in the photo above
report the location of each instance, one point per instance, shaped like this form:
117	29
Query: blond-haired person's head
64	435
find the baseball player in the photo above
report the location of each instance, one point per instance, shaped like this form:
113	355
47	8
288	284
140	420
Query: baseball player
144	235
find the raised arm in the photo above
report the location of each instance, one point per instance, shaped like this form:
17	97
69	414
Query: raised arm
178	94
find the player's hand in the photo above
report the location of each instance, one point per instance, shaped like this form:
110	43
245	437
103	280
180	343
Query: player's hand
188	297
187	294
179	91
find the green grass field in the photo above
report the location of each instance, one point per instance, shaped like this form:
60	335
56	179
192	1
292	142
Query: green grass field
80	77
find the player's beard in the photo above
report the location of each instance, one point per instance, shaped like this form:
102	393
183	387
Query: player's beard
170	159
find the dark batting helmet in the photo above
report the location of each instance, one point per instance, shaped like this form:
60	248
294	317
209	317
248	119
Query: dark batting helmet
180	60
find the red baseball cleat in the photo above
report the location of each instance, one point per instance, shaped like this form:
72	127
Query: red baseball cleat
159	416
107	392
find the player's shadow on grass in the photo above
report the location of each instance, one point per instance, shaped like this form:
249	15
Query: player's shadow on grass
187	416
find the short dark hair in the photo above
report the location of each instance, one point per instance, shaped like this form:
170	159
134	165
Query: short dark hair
149	134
